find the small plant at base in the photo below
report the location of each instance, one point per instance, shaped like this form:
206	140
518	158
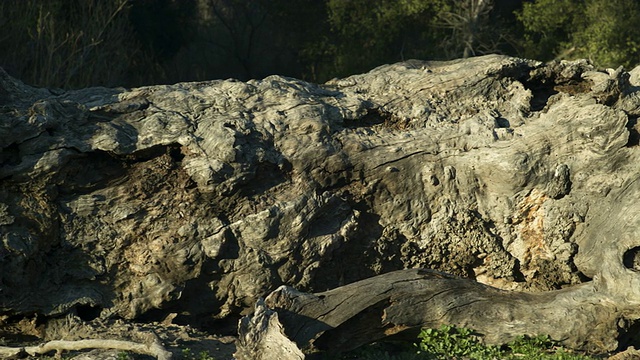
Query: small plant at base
450	342
123	355
453	342
530	347
187	354
540	347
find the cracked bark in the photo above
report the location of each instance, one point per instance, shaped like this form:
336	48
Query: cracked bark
399	304
200	198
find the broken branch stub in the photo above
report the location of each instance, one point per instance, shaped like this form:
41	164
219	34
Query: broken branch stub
260	337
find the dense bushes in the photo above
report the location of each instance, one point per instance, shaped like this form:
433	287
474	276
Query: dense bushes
602	31
79	43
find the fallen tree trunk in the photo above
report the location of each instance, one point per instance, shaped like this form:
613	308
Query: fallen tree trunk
397	305
197	199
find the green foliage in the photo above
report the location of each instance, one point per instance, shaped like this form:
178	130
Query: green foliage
80	43
604	31
549	26
187	354
367	33
451	342
610	36
454	342
539	348
528	345
123	355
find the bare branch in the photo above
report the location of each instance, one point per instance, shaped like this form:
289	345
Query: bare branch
154	349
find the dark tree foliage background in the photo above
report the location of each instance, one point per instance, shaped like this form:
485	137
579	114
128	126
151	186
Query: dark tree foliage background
80	43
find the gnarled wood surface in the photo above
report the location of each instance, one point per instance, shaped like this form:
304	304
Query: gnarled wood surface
199	198
261	337
397	305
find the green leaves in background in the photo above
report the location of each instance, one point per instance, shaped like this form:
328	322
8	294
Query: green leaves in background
81	43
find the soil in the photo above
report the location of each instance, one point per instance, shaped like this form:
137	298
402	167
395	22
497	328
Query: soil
184	342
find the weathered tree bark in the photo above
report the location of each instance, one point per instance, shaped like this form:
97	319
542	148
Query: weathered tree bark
397	305
200	198
260	336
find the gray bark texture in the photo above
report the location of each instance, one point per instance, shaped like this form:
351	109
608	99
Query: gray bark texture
517	178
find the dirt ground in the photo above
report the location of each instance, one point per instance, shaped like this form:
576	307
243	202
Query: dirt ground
184	342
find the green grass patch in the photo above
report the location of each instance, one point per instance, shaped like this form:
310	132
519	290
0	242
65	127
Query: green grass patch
188	354
451	342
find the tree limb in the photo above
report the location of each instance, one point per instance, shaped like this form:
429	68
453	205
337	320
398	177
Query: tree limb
154	349
400	303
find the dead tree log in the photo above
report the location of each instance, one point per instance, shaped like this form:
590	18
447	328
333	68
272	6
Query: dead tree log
397	305
200	198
